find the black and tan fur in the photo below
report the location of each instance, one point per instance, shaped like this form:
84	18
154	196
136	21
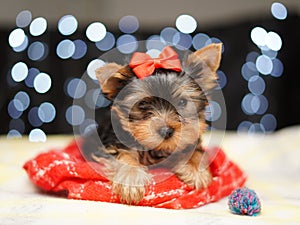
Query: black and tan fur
155	121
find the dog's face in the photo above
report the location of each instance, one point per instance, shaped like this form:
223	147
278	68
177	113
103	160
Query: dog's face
164	111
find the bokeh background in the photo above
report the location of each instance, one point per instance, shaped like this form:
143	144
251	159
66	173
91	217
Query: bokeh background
47	46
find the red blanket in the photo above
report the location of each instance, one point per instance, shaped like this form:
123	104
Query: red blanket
66	171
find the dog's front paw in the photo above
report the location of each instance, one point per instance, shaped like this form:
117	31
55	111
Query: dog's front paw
129	183
196	177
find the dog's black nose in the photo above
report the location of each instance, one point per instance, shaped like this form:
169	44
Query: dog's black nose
166	132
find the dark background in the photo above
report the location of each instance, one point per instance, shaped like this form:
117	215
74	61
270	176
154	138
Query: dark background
282	92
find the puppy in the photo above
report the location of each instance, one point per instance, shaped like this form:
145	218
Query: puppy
156	119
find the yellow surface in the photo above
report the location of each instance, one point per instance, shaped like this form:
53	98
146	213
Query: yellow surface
271	161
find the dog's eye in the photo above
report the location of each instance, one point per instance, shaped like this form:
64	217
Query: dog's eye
182	102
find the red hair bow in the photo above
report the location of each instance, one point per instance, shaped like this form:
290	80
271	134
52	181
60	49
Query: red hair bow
143	65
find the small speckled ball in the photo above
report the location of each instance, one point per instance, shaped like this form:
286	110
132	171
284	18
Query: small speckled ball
244	201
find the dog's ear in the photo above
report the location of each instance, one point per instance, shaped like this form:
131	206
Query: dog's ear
203	64
112	78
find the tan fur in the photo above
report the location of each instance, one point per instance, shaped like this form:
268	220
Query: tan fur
126	171
195	172
110	77
146	134
211	55
209	59
130	178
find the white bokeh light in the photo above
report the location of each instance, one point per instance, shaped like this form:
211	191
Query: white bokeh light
16	38
258	36
67	25
96	31
19	72
38	26
23	46
273	41
37	135
42	83
186	24
92	66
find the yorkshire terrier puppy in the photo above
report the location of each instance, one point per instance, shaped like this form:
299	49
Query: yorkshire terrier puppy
156	119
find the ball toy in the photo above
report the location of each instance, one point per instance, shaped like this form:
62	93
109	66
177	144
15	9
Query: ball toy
244	201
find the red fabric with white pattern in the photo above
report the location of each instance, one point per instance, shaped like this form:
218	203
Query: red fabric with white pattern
65	170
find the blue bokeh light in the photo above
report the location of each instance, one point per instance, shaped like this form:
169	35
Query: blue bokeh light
34	118
279	11
65	49
80	49
129	24
107	43
37	51
200	40
127	43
